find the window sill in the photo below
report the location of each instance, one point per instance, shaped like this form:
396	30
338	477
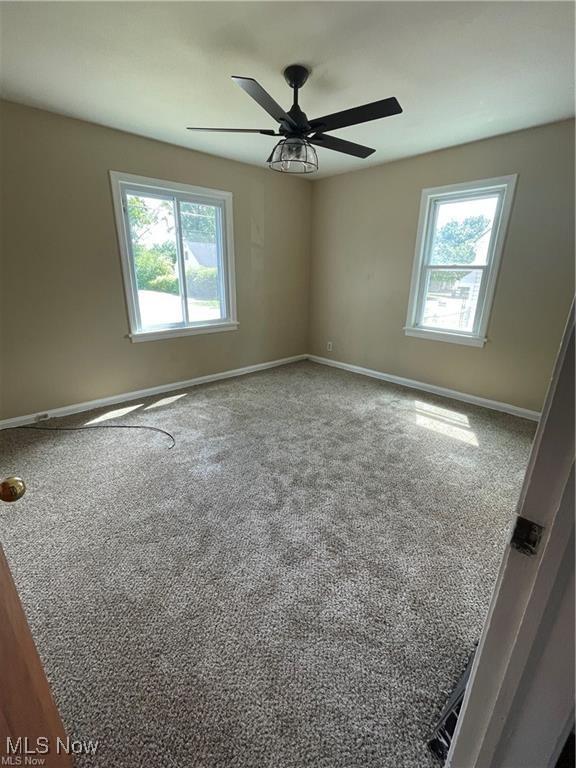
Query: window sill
173	333
453	338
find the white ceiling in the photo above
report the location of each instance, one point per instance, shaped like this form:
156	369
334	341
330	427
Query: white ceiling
461	70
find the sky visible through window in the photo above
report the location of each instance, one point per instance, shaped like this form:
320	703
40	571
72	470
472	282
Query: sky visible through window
462	209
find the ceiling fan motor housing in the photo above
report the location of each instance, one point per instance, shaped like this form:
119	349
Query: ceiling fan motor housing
296	75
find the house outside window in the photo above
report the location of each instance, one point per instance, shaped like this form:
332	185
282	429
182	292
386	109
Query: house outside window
461	233
176	244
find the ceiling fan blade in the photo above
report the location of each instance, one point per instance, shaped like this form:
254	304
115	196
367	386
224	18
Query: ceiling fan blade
356	115
263	98
339	145
235	130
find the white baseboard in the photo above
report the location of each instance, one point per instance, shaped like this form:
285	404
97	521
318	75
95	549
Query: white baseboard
493	405
89	405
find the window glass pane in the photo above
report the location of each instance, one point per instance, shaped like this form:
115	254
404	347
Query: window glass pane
450	299
153	236
462	231
202	263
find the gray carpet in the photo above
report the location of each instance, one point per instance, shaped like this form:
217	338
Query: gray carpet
297	584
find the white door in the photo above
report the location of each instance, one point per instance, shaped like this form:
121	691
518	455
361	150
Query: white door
519	704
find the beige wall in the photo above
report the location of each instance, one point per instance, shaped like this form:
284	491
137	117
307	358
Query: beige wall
64	321
364	234
63	315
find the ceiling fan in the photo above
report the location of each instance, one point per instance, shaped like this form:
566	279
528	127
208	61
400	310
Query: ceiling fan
295	152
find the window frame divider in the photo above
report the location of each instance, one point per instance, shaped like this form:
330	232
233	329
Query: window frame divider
461	267
181	264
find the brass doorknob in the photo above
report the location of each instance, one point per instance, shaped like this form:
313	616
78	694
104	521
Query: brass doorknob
12	489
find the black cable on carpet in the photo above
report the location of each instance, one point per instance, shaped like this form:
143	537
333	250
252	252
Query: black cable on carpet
101	426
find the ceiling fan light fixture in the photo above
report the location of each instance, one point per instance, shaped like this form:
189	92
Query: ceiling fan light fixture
294	155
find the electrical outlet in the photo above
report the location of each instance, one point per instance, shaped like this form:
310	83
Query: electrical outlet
329	347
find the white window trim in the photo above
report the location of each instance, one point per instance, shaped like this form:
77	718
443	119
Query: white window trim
181	191
505	185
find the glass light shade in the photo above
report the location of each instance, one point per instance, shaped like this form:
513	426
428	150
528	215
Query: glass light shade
294	155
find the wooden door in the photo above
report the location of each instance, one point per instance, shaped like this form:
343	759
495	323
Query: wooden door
30	724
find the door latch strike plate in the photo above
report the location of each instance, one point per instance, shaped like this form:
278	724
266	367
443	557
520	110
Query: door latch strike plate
526	536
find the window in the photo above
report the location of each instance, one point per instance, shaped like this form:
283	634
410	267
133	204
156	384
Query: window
461	232
177	257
